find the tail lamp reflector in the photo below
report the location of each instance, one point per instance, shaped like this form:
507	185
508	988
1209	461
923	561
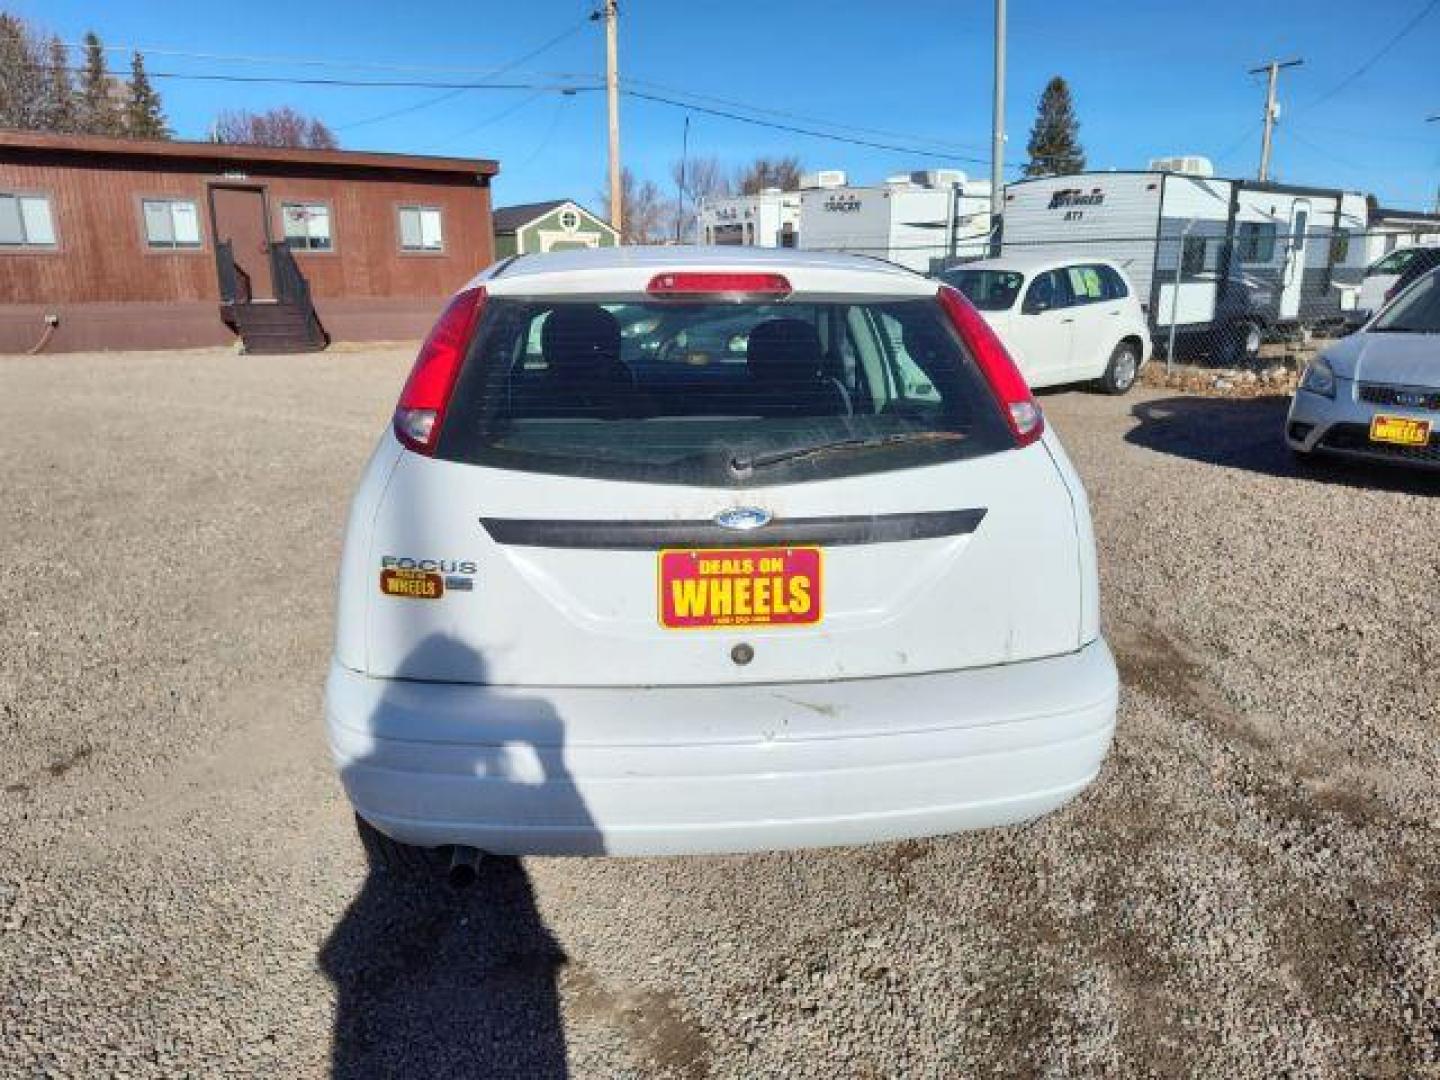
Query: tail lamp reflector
1022	412
421	409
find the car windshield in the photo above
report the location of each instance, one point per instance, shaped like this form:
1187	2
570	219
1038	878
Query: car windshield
1415	311
988	290
1394	263
718	394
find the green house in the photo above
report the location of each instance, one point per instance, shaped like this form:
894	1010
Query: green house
549	226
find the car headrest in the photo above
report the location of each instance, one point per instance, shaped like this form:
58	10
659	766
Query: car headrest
580	339
784	350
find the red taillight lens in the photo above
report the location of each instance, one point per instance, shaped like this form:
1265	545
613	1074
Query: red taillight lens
706	283
421	408
1021	411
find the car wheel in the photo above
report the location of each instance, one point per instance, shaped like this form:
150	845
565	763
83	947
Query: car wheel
400	861
1240	343
1123	369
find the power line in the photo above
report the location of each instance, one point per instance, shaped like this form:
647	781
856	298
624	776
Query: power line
377	84
551	43
797	130
764	111
314	61
1403	32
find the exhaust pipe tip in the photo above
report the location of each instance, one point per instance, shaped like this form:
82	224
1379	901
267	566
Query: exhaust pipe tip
464	867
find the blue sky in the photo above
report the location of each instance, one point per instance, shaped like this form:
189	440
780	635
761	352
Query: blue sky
1149	79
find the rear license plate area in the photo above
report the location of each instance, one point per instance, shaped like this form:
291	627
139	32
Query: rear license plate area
702	588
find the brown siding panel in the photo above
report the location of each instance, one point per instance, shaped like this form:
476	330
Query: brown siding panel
102	262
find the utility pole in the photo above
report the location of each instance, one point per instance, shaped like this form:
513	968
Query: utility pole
997	132
611	15
1271	109
1431	120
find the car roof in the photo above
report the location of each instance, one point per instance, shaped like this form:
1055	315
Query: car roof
1037	262
629	269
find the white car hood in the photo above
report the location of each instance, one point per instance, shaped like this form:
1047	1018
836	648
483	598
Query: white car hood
1397	359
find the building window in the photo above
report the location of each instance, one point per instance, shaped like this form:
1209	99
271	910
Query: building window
25	221
420	229
1257	241
569	220
307	226
171	223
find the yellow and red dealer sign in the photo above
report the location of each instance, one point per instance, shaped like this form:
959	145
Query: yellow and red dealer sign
413	584
732	587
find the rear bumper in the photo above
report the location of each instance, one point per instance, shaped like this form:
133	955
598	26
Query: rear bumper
714	769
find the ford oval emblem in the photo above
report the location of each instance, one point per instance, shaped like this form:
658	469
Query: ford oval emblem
742	517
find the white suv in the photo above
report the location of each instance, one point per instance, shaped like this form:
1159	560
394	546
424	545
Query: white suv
698	550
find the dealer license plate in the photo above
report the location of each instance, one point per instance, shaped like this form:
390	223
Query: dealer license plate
1400	430
734	587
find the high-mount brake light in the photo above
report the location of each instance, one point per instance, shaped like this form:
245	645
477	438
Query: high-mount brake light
725	284
1022	413
421	409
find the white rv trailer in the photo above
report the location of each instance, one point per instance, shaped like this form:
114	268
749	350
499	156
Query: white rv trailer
1251	256
921	220
770	218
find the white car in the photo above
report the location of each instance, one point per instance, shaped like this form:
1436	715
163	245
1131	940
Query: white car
703	549
1375	395
1382	277
1064	320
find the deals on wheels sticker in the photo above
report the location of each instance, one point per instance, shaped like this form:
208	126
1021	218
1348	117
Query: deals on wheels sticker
731	587
1400	430
413	584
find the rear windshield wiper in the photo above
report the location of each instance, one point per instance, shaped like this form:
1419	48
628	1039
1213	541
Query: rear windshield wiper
760	461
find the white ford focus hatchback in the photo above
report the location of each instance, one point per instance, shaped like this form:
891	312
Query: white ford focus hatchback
700	550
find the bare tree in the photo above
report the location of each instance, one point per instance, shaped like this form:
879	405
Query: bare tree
764	172
276	127
695	179
648	215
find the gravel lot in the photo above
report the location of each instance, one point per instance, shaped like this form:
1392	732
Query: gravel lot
1251	889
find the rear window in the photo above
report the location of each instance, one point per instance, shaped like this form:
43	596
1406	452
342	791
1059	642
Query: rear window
988	290
718	394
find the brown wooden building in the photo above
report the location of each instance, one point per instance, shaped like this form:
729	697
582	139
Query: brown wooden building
129	244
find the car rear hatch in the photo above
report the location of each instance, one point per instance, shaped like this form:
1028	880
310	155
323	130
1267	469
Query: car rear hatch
635	496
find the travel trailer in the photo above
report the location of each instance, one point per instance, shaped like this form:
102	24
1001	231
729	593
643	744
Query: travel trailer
769	218
921	220
1205	254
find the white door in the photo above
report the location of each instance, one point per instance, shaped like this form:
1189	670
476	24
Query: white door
1041	330
1293	280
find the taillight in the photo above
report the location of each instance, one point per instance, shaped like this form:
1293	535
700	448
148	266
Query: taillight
728	285
421	409
1021	411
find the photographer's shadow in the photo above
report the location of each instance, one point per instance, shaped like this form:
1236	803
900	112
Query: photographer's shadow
434	981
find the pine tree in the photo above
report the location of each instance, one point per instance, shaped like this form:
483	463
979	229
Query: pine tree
61	111
144	117
21	76
1054	146
99	115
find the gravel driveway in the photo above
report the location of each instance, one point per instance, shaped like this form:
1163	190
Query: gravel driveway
1251	889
